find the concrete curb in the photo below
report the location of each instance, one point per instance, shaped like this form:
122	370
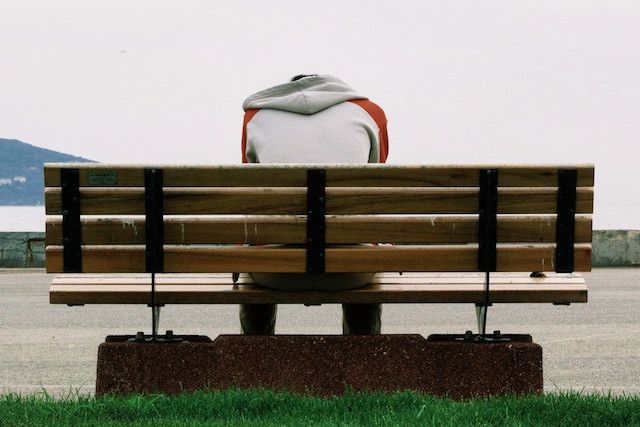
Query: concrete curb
22	249
611	248
616	248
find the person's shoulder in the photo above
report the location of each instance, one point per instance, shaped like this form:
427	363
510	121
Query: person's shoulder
370	107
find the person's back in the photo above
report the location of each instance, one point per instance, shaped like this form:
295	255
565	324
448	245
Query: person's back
316	119
313	119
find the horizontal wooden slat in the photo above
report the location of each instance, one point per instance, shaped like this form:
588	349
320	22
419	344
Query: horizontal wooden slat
340	201
386	288
340	229
183	259
100	259
193	201
341	175
293	260
450	200
452	258
447	229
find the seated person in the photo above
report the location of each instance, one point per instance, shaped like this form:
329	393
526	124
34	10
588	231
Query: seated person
312	119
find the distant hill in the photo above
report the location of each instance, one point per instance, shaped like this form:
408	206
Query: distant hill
21	177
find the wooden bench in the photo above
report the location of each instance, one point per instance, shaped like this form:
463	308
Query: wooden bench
160	235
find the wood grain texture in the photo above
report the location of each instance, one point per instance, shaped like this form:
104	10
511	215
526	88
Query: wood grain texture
340	201
340	229
256	175
429	212
386	288
267	259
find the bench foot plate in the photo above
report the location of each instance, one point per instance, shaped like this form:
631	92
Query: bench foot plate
323	365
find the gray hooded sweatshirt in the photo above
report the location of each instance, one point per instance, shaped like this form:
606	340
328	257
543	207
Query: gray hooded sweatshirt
317	119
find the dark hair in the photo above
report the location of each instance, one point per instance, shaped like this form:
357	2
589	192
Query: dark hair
301	76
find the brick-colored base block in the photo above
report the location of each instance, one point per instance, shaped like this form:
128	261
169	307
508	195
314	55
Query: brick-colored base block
323	365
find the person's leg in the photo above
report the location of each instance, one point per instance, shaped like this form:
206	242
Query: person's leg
258	319
361	319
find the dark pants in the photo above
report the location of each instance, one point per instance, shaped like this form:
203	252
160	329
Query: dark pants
357	319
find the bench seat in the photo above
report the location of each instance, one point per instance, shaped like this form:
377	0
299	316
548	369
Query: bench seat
217	288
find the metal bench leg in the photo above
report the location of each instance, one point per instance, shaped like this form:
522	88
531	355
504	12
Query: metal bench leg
481	317
481	309
156	320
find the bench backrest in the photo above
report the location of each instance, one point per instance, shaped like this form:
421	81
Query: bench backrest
113	218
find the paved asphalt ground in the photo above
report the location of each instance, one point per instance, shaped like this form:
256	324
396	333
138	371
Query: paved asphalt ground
586	347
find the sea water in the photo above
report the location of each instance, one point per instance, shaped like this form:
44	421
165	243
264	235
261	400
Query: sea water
22	218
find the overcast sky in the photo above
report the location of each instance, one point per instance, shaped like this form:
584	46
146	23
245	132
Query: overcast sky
469	81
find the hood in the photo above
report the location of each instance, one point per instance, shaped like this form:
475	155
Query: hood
305	96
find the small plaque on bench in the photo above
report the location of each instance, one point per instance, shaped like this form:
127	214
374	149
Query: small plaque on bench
102	178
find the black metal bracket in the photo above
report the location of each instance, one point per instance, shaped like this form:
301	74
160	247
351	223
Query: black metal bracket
154	215
71	227
487	220
316	211
566	220
154	229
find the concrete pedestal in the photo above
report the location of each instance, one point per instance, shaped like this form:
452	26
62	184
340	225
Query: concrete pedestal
322	365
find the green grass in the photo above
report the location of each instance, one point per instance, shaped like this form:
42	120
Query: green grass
265	408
